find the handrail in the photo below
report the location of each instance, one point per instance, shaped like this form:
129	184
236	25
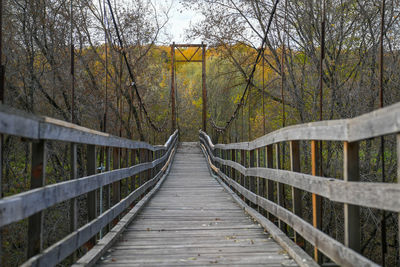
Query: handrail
19	123
261	182
377	123
382	195
328	245
22	205
154	162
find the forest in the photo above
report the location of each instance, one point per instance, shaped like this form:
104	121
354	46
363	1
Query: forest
323	60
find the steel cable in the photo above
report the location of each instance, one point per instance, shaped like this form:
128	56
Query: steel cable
249	80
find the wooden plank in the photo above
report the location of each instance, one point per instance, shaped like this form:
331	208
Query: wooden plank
374	195
333	249
38	179
297	253
60	250
19	123
351	172
93	255
300	256
180	221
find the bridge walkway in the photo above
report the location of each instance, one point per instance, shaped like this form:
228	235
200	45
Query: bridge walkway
191	220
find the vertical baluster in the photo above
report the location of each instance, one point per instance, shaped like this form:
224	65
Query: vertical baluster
126	180
296	193
280	188
243	163
74	201
92	196
142	159
351	172
270	184
38	176
260	185
150	172
108	187
233	171
116	186
252	180
316	200
221	155
133	162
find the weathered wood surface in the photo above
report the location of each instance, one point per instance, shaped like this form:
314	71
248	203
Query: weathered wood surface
332	248
193	221
19	123
19	206
377	123
373	195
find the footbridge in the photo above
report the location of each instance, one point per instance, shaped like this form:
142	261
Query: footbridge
197	203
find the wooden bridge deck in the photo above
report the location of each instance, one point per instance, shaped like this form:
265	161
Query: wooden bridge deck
192	221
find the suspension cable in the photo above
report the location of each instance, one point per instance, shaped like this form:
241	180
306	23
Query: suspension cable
251	76
133	84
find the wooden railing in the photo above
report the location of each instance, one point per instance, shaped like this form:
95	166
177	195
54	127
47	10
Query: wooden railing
145	166
253	172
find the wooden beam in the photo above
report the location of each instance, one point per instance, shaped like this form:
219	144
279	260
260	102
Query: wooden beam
270	183
336	251
92	196
351	172
280	190
296	193
74	201
38	179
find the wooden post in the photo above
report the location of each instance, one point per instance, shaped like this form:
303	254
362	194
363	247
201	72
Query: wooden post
203	78
108	187
247	178
92	196
38	176
260	185
351	172
116	187
74	202
270	184
173	115
133	163
126	180
316	200
252	179
150	172
296	193
243	163
233	158
280	187
142	159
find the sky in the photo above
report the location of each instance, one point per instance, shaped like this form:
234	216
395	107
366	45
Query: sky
180	20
